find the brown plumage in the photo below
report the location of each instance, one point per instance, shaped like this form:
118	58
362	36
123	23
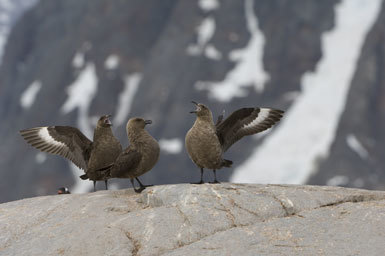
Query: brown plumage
70	143
139	157
206	142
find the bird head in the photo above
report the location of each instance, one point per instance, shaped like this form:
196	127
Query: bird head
104	121
137	123
201	110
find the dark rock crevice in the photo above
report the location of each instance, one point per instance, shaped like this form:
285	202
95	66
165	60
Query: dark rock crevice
135	243
353	199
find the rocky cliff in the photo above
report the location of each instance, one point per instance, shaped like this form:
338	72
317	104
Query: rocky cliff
184	219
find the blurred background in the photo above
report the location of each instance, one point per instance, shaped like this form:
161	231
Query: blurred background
323	62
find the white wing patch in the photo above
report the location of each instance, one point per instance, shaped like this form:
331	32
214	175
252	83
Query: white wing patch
44	134
262	115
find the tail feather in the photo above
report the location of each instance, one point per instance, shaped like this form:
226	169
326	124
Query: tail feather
84	177
226	163
105	171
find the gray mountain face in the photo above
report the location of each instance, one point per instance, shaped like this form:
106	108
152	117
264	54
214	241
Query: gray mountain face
57	43
363	118
10	12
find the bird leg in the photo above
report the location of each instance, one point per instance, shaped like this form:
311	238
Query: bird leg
215	177
94	185
135	189
200	182
105	182
141	185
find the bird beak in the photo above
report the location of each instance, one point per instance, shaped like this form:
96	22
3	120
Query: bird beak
147	121
108	121
194	111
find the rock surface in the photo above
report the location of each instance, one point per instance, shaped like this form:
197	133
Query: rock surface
184	219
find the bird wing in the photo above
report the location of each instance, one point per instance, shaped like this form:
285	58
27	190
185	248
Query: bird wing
220	119
246	121
65	141
128	160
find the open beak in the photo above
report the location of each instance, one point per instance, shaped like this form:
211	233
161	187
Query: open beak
108	121
194	102
147	122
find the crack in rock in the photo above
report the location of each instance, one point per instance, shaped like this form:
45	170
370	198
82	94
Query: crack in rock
229	214
120	209
135	243
284	207
246	210
353	199
201	238
184	216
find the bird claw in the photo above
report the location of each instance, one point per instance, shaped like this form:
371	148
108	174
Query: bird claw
215	182
139	190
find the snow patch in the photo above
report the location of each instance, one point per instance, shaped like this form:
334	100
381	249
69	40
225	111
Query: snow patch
81	186
338	181
171	146
126	98
112	62
40	157
205	32
78	60
208	5
212	53
28	96
308	128
80	95
356	146
249	68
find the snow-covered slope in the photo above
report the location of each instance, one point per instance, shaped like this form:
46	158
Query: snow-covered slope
248	70
290	154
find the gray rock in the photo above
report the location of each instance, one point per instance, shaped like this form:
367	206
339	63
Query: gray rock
184	219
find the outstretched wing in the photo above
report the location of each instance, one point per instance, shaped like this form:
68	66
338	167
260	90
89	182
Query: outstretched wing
65	141
246	121
126	162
